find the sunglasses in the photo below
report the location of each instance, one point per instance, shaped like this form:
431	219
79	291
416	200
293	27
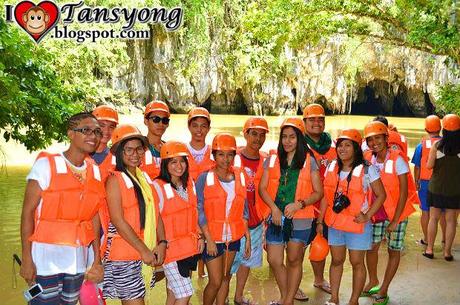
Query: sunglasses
88	131
156	119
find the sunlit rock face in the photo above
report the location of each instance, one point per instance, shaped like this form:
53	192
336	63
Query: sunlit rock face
366	78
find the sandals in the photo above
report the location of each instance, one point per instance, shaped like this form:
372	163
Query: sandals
325	286
330	303
370	292
423	242
449	258
301	296
381	300
428	255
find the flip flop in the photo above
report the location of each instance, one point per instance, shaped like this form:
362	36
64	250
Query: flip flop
330	303
381	300
301	296
370	292
324	287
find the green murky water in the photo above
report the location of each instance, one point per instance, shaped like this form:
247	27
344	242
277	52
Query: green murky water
261	285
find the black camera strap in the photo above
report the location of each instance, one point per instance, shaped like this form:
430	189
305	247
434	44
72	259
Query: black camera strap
338	181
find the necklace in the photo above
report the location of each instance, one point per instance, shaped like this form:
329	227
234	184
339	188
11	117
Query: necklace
284	178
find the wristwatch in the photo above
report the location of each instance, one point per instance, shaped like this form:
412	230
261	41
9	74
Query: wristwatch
302	202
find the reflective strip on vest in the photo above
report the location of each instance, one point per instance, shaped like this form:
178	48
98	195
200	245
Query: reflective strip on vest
168	191
114	160
403	138
210	179
243	181
357	171
428	144
272	161
61	167
96	172
148	157
128	182
389	167
237	161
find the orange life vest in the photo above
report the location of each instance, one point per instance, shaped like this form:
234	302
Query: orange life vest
68	205
107	165
398	141
120	249
150	164
344	220
425	173
390	182
180	219
215	207
325	159
304	187
195	169
263	210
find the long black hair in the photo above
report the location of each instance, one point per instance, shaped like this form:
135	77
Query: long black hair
450	142
358	157
120	166
166	177
300	151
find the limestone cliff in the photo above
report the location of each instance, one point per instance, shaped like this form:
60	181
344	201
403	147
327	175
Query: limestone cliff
345	76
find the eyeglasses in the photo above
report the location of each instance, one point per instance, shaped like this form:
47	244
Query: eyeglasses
157	119
129	151
88	131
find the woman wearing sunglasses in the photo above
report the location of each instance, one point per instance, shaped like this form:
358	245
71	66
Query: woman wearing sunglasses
348	183
175	197
290	185
130	251
223	217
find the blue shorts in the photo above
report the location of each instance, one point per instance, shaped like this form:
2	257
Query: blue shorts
221	248
423	194
352	241
255	260
274	236
62	288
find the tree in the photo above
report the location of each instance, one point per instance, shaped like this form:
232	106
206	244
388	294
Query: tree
429	26
34	103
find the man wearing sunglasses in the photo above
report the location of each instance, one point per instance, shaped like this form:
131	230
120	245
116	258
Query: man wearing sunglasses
156	118
59	216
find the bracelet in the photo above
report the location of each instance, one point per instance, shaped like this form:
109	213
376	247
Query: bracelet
303	204
319	222
164	241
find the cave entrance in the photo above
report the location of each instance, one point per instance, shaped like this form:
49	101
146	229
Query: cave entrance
378	98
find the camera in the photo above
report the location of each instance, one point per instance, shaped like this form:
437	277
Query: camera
33	291
341	202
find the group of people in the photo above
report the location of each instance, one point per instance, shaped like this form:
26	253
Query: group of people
126	214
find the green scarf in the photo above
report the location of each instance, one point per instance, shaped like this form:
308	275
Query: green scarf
323	145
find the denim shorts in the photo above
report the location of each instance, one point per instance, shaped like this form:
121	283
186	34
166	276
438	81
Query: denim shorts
274	236
352	241
221	248
255	260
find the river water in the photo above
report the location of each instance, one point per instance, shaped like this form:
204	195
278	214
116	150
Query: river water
261	285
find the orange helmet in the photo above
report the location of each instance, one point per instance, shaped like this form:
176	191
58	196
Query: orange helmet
124	132
375	128
106	113
256	123
173	149
199	112
224	141
156	106
319	249
294	122
313	110
350	134
432	123
451	122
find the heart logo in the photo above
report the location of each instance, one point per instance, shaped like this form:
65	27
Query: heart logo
36	20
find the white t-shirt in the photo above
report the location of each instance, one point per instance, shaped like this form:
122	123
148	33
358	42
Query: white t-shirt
48	258
369	177
229	188
198	155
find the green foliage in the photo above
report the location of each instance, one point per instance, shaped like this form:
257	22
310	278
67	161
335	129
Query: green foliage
448	100
34	103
